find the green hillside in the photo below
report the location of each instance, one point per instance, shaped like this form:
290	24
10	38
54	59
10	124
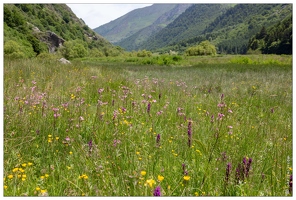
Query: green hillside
230	31
34	29
140	23
135	41
189	24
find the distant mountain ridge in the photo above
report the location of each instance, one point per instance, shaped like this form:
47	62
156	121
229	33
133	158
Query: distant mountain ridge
228	26
142	22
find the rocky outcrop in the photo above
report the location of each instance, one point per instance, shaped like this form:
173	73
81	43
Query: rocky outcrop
53	41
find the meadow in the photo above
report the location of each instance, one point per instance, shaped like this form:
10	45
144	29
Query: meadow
204	126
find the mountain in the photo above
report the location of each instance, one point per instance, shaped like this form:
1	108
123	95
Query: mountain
137	25
33	29
227	26
189	24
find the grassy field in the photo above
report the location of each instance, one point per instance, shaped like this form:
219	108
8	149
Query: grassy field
205	126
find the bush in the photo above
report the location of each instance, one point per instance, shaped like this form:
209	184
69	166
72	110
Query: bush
204	48
15	49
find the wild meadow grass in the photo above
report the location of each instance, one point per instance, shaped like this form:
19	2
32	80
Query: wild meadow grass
121	129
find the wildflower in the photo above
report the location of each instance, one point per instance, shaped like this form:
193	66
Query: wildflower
90	146
183	167
38	189
148	108
5	187
228	168
160	178
46	175
42	177
143	173
196	194
186	178
222	96
15	169
157	139
10	176
69	167
150	182
189	131
43	191
83	176
70	152
220	116
115	142
157	192
100	90
291	184
57	138
138	153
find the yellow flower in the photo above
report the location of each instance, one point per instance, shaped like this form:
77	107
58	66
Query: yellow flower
30	164
150	182
46	175
49	136
42	177
24	176
24	164
5	187
143	173
19	176
21	170
196	193
70	152
68	167
83	176
10	176
38	188
137	153
160	178
186	178
43	191
57	138
15	169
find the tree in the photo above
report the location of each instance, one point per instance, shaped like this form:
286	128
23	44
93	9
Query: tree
204	48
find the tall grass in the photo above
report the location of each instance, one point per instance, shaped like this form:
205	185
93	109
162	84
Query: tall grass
115	129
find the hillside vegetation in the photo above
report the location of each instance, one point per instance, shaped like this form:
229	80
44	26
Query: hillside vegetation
28	27
140	23
230	32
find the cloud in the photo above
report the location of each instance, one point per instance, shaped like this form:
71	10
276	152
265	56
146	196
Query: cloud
95	15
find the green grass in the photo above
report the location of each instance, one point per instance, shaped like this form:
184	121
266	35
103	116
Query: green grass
107	103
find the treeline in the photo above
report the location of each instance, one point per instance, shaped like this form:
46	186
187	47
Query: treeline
274	40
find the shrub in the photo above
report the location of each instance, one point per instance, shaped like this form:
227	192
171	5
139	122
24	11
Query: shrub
204	48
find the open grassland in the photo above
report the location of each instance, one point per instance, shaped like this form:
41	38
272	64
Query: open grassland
220	128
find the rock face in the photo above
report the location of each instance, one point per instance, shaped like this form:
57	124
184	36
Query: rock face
54	41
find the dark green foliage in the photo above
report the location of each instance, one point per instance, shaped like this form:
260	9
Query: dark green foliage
229	28
275	40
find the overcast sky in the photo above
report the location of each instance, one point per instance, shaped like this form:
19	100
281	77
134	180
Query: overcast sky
95	15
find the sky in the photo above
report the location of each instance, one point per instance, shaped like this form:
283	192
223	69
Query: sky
95	15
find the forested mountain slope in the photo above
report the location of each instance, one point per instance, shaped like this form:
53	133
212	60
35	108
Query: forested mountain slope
137	25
